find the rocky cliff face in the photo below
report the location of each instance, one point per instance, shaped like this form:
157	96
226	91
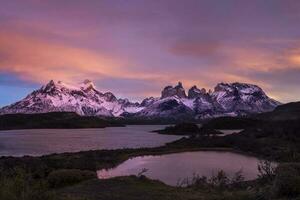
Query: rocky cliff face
233	99
170	91
194	92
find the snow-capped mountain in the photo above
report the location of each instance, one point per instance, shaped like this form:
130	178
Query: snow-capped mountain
226	100
233	99
83	99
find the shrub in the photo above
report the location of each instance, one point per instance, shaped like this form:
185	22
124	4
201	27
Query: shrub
266	170
19	185
287	180
217	181
65	177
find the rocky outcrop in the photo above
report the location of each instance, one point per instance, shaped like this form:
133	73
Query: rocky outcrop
170	91
194	92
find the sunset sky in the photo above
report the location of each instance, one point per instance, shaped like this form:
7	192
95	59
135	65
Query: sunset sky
134	48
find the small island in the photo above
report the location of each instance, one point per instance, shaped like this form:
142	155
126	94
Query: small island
189	129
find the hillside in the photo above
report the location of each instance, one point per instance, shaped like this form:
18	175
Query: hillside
52	120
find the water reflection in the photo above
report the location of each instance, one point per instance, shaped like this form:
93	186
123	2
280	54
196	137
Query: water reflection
172	168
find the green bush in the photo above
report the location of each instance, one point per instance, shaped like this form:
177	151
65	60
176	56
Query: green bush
65	177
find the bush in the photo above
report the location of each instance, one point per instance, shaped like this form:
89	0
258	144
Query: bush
266	171
19	185
65	177
287	180
218	181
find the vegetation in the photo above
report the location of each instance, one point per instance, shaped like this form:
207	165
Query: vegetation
274	140
180	129
65	177
72	175
231	123
191	129
53	120
17	184
289	111
23	185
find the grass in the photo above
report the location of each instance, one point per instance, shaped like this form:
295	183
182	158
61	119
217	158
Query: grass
136	188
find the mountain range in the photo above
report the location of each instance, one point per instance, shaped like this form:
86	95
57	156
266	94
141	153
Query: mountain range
227	99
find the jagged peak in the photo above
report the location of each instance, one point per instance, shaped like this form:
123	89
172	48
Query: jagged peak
59	85
87	85
236	86
51	83
179	85
195	92
147	101
195	88
110	96
169	91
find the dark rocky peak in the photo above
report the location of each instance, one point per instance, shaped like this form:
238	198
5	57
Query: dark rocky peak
243	87
123	101
179	86
109	96
195	92
126	102
49	87
170	91
50	84
223	87
148	101
87	85
248	88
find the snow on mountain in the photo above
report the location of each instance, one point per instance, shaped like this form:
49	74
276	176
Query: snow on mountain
233	99
226	100
167	107
242	97
61	97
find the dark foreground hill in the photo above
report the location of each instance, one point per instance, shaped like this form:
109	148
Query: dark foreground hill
72	175
286	112
52	120
289	111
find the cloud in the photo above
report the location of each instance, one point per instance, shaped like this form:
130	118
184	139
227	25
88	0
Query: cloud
198	49
40	60
281	83
134	48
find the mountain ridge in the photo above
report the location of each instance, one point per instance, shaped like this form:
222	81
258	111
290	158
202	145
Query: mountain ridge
227	99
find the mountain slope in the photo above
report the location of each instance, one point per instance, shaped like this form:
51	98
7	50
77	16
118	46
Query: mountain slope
235	99
83	100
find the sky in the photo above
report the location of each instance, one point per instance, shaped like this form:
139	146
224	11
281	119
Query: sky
134	48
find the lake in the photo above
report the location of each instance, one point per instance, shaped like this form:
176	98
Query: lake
174	168
36	142
229	131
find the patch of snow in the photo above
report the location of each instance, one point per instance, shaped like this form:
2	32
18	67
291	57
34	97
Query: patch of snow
188	102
